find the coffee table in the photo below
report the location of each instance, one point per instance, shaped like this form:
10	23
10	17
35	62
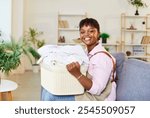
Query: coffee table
7	86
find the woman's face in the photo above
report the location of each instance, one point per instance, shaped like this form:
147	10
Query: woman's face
89	35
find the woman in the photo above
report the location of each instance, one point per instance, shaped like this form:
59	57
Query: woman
98	83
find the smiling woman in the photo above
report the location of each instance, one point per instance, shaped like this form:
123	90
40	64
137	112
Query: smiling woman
98	82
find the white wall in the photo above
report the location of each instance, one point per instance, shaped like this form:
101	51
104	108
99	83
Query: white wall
17	28
17	18
42	14
5	18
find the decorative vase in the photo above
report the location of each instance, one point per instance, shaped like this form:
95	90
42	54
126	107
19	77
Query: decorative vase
136	12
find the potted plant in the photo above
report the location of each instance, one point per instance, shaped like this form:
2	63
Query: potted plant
137	4
32	37
10	54
104	37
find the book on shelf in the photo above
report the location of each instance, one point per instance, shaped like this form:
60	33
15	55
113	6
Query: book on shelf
63	24
145	40
138	50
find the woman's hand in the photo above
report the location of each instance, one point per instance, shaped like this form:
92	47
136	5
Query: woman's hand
74	69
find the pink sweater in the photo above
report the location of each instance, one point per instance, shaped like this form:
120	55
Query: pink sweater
100	68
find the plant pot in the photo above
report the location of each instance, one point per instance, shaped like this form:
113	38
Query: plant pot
35	68
104	40
136	12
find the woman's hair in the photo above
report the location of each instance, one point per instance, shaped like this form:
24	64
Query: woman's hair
89	22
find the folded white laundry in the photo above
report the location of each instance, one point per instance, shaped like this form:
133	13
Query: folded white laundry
51	54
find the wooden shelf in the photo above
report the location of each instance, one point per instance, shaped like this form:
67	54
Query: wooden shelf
127	44
68	29
127	30
68	26
72	14
110	44
130	38
139	56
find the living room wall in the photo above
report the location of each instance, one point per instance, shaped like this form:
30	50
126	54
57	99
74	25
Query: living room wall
42	14
5	20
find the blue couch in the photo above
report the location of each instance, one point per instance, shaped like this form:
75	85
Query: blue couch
133	82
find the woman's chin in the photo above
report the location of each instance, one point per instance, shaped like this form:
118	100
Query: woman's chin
87	42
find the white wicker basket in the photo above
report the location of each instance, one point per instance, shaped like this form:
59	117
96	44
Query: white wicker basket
59	81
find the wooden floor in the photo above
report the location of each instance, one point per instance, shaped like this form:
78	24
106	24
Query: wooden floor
28	86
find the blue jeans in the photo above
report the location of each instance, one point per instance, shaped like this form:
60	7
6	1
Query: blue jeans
47	96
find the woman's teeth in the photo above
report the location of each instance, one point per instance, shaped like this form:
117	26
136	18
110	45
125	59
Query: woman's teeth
87	39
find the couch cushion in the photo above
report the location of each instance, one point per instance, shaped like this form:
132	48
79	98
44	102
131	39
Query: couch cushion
120	58
134	82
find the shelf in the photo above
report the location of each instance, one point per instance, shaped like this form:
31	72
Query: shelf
111	44
126	30
68	26
68	29
72	14
139	56
137	44
132	34
129	16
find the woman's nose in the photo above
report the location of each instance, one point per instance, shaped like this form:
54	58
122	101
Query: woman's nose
87	33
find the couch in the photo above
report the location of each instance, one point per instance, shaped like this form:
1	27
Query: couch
133	82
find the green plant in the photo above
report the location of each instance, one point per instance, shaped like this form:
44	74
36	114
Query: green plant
104	35
32	37
10	54
34	53
137	3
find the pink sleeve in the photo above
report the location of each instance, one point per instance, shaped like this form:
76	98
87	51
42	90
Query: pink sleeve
100	69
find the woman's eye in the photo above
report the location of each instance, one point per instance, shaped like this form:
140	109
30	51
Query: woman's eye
81	32
91	31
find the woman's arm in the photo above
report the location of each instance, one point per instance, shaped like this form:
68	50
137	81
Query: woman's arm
74	69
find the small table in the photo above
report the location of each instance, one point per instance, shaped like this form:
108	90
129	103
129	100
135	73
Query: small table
7	86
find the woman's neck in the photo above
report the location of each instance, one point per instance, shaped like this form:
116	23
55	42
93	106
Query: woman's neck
90	47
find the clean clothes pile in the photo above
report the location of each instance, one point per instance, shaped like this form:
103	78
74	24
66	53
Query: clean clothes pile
52	55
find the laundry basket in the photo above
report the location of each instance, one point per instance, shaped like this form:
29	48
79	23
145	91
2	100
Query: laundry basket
58	81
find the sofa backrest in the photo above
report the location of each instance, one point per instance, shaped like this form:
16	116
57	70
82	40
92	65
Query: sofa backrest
120	58
134	81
